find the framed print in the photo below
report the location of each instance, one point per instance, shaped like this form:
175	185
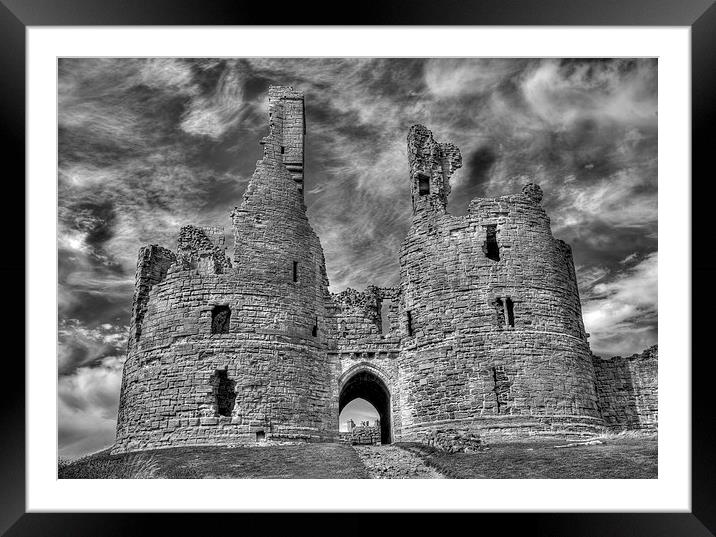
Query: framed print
395	274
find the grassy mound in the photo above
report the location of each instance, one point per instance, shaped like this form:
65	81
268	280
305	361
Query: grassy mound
306	461
619	456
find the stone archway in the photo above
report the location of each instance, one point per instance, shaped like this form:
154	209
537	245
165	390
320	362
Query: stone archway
365	384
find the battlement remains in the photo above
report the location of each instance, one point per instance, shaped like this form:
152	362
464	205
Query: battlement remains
431	166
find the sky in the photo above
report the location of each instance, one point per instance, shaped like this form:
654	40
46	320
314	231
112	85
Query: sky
359	410
149	145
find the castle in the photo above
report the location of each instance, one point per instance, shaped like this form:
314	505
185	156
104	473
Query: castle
483	333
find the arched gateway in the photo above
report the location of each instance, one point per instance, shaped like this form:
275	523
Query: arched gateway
365	384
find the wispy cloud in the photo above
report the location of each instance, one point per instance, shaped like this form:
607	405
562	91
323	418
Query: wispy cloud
214	114
621	313
615	91
450	78
84	346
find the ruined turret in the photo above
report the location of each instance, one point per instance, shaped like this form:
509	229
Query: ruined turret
431	166
287	130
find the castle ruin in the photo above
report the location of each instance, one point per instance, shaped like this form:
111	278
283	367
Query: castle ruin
483	333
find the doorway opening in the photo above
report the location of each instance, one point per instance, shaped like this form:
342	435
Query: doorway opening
367	386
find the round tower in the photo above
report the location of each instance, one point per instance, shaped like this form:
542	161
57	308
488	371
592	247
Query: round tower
491	321
233	350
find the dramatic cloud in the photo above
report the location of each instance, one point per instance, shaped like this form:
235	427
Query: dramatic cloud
621	313
604	92
449	78
88	403
82	346
148	145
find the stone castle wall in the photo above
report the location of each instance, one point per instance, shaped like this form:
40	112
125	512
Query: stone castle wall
627	390
246	345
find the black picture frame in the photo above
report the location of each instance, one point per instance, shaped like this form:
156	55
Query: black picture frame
699	15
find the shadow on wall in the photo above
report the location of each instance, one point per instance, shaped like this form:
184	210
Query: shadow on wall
627	390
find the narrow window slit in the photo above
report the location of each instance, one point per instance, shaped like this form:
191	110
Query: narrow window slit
314	332
490	246
501	385
385	307
220	319
510	311
295	271
500	309
224	392
410	323
423	184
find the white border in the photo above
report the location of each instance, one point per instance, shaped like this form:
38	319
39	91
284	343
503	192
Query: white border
671	491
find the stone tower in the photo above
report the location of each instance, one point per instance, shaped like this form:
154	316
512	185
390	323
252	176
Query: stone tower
233	350
492	332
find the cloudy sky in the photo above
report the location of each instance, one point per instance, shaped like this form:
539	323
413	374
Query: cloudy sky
148	145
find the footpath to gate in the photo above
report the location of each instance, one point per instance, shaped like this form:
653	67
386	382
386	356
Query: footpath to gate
391	462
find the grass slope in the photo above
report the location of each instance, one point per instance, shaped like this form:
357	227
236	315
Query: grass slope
619	457
307	461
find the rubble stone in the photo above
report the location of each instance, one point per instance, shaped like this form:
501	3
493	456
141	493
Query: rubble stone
454	440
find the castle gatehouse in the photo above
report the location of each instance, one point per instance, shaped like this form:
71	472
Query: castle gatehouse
244	343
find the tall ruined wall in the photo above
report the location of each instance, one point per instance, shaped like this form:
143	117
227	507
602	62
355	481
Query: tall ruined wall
235	350
364	316
491	324
153	263
628	389
287	129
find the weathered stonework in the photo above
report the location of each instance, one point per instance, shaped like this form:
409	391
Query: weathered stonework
454	440
627	390
484	332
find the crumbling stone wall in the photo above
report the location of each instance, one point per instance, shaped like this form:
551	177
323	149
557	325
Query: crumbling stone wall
431	166
202	249
627	389
152	266
287	129
361	316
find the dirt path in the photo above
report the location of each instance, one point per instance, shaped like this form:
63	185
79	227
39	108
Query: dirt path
390	462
